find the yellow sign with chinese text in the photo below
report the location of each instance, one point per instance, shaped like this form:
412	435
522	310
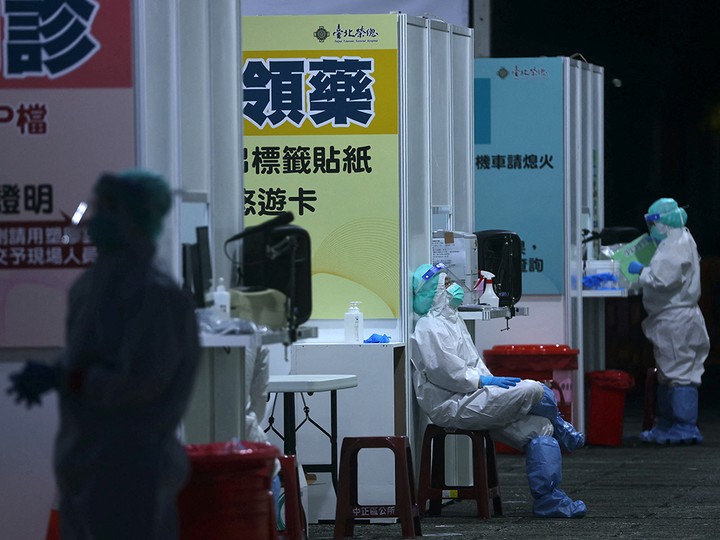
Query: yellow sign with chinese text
320	121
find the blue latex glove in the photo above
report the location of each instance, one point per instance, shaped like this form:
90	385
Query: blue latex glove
635	267
35	379
502	382
377	338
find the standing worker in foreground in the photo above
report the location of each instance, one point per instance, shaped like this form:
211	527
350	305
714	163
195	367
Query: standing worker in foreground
456	390
674	324
125	376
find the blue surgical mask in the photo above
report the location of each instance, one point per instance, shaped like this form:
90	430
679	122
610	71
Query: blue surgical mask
457	295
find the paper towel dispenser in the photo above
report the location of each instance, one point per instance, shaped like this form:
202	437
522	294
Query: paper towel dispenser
500	252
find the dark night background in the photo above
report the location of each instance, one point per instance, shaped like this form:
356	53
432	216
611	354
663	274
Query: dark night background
662	125
662	129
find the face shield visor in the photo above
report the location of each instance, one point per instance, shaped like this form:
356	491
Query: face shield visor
657	222
426	285
434	270
79	214
78	219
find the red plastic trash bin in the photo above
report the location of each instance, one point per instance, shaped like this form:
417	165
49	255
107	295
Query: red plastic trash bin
552	362
228	494
607	406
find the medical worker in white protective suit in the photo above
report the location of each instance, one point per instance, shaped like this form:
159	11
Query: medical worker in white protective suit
125	376
674	324
257	379
455	389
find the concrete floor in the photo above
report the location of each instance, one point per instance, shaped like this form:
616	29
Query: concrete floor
631	491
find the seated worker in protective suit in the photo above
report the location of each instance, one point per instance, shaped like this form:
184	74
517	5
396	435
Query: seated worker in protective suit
125	376
674	324
455	389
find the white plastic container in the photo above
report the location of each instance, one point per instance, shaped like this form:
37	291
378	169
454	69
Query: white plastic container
221	300
604	266
488	296
353	324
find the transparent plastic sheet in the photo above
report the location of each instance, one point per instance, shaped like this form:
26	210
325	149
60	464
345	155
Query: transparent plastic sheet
211	323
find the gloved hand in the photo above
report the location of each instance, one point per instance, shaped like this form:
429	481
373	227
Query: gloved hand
502	382
635	267
35	379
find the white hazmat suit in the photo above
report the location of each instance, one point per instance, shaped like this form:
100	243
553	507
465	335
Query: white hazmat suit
674	325
133	338
125	376
448	375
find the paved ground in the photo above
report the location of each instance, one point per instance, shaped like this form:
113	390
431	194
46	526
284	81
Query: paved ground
632	491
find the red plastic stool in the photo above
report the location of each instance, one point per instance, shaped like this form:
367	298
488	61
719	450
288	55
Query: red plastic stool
348	509
295	525
432	472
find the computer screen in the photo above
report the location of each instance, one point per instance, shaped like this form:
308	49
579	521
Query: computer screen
279	258
197	262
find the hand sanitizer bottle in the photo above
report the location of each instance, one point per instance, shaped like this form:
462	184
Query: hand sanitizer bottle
488	296
221	301
353	324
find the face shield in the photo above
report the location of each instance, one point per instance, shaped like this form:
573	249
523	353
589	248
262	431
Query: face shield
658	223
78	220
79	214
427	278
426	281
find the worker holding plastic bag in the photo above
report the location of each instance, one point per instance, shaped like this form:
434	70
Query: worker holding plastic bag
674	324
456	390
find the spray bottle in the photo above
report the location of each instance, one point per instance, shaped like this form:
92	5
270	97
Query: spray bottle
353	324
488	296
221	300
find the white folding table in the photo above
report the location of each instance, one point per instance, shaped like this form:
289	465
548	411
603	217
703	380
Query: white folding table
289	385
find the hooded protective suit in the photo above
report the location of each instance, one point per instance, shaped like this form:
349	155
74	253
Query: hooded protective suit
447	377
132	339
125	376
447	374
675	326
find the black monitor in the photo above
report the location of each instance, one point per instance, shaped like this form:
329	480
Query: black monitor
187	268
276	255
279	258
197	266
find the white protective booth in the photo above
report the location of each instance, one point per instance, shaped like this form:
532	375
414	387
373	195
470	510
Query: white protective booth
550	109
433	179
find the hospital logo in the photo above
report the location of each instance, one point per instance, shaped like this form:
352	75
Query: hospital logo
321	34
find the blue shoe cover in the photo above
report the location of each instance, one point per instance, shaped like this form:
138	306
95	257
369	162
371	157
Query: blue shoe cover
684	404
656	435
569	438
684	434
543	464
663	419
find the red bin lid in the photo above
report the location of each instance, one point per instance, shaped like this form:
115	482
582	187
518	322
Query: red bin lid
533	350
231	451
612	378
